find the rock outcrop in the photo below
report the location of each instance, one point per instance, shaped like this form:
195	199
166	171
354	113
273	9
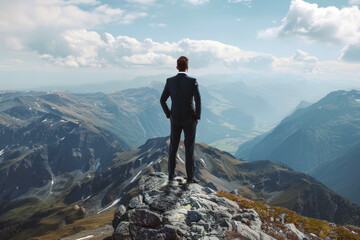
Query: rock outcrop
175	210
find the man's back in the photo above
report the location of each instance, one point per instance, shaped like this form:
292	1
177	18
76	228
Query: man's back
182	89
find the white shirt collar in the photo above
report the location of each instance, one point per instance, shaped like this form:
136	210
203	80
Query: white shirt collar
182	72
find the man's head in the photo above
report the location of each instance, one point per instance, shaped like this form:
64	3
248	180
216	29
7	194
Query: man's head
182	64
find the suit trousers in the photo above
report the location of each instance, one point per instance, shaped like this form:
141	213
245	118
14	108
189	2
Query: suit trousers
189	132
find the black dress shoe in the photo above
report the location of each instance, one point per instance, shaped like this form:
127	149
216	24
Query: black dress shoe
171	177
192	180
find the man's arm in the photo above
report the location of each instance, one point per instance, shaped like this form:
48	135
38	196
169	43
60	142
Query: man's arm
197	100
164	96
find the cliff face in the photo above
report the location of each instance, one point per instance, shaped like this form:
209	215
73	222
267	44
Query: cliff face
175	210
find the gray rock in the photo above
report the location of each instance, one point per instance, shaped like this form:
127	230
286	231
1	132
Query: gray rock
122	231
194	216
121	210
136	202
209	190
198	229
195	188
177	218
142	233
251	234
152	183
216	229
159	174
209	238
298	233
253	216
226	224
181	232
163	202
231	206
119	215
282	217
207	204
195	204
221	215
237	217
145	218
196	236
206	225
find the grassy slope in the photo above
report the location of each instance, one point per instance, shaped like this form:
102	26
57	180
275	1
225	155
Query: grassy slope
33	217
307	225
90	223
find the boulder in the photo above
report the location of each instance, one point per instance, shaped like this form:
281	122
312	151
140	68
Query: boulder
145	218
122	231
141	233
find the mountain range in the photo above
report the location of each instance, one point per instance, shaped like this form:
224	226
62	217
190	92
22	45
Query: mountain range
237	107
321	139
65	157
132	115
114	182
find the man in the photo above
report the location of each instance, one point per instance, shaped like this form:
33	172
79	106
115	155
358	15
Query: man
183	116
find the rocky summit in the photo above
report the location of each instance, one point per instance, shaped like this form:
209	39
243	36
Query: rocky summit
175	210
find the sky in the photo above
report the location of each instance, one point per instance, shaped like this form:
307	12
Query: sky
74	42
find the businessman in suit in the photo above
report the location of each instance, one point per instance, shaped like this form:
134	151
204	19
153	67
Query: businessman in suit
183	90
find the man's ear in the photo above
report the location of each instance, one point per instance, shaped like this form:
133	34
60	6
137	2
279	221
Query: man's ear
177	68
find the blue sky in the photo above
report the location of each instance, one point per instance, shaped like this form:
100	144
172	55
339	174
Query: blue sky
52	42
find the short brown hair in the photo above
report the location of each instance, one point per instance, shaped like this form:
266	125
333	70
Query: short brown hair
182	63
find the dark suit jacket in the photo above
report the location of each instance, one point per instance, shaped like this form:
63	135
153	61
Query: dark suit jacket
183	90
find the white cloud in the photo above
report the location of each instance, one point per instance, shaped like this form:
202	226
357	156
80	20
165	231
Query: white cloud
10	62
302	56
130	17
157	25
299	63
329	24
354	2
83	48
142	1
84	2
27	15
76	48
13	43
351	53
197	2
150	58
246	2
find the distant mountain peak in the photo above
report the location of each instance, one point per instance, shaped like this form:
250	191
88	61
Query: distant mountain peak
312	139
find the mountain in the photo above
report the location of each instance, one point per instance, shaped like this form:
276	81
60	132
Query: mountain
302	104
342	174
132	115
45	139
87	194
312	136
